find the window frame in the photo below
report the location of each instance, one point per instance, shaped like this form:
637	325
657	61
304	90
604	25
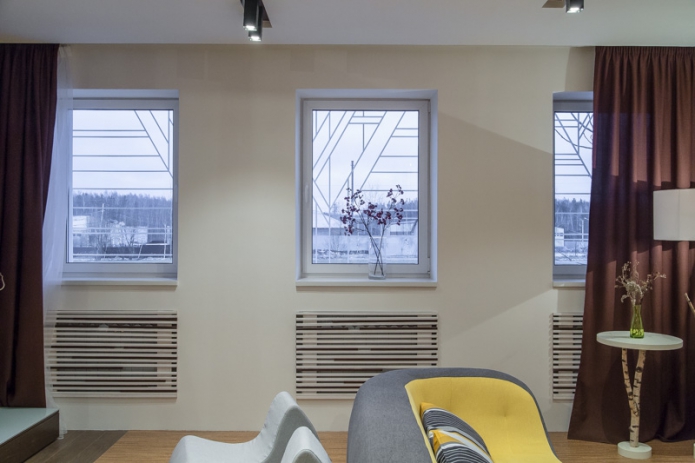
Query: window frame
567	102
131	100
424	102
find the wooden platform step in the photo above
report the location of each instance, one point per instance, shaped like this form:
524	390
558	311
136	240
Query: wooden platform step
25	431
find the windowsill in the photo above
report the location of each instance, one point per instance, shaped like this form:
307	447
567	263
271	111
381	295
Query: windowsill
81	281
569	283
363	281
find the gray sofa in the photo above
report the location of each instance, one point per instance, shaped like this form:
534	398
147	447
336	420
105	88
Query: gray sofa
383	428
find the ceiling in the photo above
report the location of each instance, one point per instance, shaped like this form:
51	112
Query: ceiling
384	22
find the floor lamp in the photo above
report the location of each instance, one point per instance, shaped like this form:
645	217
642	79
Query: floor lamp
674	220
674	217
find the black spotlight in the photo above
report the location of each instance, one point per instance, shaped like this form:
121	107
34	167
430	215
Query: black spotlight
256	34
252	11
574	6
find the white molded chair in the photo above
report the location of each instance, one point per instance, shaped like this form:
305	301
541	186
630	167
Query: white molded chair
283	418
304	447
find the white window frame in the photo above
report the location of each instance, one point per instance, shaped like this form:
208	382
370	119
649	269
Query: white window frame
568	102
84	272
424	101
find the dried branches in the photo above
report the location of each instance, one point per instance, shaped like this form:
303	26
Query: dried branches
635	289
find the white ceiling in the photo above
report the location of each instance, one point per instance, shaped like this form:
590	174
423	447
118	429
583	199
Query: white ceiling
387	22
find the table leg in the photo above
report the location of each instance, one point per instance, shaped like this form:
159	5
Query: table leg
634	449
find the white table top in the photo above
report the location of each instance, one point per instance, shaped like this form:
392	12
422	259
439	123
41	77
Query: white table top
650	341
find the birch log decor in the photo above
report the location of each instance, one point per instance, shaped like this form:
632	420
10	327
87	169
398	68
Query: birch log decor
633	394
690	304
651	341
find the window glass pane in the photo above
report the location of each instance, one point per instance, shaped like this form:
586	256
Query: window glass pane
370	151
573	144
122	186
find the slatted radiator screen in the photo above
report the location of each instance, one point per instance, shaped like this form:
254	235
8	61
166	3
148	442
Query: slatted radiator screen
106	353
338	351
566	336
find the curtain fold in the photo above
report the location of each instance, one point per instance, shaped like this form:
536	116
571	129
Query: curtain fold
27	119
56	216
644	140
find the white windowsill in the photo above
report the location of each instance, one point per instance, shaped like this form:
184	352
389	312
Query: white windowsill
574	283
67	281
363	281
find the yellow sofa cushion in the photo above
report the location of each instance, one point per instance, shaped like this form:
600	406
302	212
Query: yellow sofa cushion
504	414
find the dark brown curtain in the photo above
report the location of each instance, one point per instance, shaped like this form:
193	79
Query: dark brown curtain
28	92
644	140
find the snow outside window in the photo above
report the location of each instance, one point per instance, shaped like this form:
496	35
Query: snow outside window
123	189
371	146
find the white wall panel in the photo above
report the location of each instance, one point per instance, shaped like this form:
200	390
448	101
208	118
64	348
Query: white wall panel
236	299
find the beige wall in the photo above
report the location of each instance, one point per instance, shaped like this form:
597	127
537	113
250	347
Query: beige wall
237	298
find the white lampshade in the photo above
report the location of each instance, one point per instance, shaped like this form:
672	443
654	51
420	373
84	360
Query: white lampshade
674	215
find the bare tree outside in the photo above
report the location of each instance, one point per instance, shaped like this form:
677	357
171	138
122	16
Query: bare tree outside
122	186
573	148
369	151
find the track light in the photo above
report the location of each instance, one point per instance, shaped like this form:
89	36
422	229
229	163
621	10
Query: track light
255	16
252	13
256	34
574	6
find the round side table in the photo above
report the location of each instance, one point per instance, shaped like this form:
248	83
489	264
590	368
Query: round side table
651	341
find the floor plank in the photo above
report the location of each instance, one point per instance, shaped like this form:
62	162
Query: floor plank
156	447
576	451
78	447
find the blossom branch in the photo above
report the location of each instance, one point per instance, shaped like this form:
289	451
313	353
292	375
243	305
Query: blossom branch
358	215
635	289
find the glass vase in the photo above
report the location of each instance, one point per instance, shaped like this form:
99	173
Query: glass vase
636	327
376	259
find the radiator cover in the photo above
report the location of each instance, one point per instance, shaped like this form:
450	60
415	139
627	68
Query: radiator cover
336	352
107	353
566	329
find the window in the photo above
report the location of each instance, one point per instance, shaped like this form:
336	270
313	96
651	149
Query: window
370	145
573	142
123	189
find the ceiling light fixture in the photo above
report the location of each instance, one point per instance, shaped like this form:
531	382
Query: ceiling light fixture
255	19
574	6
256	34
252	11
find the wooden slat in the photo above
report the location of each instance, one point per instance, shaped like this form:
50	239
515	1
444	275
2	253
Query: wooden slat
336	352
113	353
566	339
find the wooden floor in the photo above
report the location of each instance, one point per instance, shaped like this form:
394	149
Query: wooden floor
575	451
156	446
78	447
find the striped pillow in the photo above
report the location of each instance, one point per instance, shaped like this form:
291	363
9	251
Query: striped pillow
453	440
